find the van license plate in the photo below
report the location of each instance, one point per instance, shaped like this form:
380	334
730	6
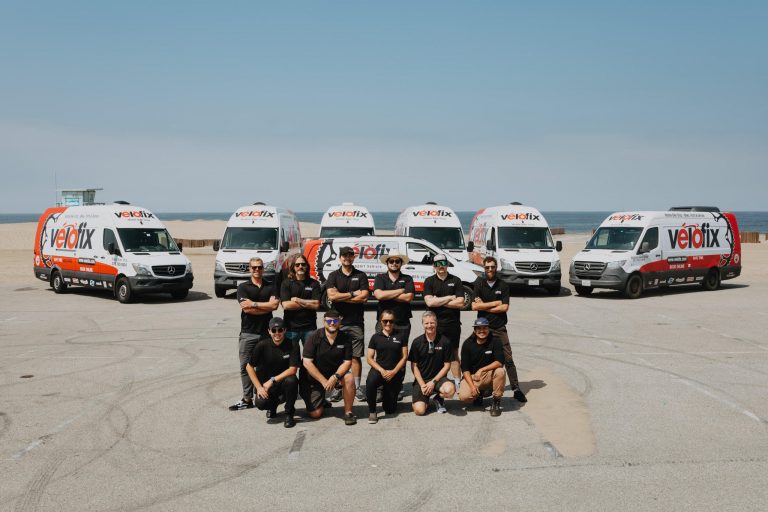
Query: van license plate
533	282
586	282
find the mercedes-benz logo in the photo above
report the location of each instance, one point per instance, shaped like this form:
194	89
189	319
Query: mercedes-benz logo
534	267
171	270
243	267
586	267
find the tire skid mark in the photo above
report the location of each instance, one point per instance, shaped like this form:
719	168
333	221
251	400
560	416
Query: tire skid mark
5	423
32	496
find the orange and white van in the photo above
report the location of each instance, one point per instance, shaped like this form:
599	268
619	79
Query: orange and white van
636	250
347	219
117	247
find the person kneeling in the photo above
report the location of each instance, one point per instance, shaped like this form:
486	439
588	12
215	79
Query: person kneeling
430	358
387	354
482	366
272	369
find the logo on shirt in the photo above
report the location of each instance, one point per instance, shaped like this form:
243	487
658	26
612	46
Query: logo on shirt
339	346
451	284
489	352
308	288
497	292
286	356
395	340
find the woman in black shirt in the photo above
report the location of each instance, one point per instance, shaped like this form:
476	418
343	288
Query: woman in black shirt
387	354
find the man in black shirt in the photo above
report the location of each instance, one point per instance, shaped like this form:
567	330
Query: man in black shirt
347	289
300	298
272	370
444	295
327	360
430	358
482	362
257	300
395	291
492	302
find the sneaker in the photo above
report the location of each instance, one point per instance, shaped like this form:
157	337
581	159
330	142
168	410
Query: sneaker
242	404
400	396
359	395
478	402
289	421
520	396
496	407
373	418
350	419
327	404
335	395
271	413
440	403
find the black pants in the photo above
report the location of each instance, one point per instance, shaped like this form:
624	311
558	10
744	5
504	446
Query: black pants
509	363
284	391
390	390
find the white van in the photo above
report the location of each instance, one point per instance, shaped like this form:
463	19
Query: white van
436	224
347	219
271	233
322	255
632	251
519	238
117	247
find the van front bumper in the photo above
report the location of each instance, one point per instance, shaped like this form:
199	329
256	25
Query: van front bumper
147	284
549	280
613	279
225	281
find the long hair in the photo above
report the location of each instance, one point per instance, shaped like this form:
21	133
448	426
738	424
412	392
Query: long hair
292	265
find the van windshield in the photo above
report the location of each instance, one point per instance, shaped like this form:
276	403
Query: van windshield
147	240
250	238
615	239
444	238
524	237
342	231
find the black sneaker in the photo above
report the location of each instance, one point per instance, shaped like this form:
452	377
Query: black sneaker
271	413
520	396
242	404
350	419
327	404
496	407
289	421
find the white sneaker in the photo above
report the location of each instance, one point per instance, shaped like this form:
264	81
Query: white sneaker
440	403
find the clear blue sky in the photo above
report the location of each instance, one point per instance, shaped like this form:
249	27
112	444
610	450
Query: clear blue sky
205	106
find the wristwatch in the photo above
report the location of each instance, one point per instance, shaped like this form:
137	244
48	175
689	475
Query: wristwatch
338	377
434	382
274	380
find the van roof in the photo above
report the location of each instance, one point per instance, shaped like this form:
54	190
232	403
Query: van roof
512	215
429	214
117	214
347	214
258	215
646	217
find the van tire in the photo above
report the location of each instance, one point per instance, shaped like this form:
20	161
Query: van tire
57	282
123	291
711	281
583	290
180	294
468	293
219	291
634	287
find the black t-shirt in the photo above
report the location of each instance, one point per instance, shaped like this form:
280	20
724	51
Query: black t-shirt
402	309
270	360
326	357
389	349
433	285
429	365
255	324
475	356
499	291
300	319
352	313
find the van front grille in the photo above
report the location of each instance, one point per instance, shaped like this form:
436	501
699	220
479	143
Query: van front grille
169	270
588	268
533	267
237	268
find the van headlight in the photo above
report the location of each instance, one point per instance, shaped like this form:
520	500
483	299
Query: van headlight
220	266
270	266
505	265
555	265
615	265
142	270
189	267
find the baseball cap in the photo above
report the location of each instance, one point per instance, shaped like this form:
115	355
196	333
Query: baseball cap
276	323
346	250
440	257
480	322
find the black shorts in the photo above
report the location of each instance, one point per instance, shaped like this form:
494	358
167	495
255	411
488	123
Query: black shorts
418	396
452	331
313	393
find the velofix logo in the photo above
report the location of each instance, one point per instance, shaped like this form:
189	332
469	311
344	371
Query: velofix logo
626	217
694	237
72	236
432	213
371	252
520	216
255	213
135	214
348	213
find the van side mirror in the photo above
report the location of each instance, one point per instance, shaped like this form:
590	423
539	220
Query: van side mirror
284	247
181	246
644	248
111	249
216	245
470	246
427	259
489	245
558	246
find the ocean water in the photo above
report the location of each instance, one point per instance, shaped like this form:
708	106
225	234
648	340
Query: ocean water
572	222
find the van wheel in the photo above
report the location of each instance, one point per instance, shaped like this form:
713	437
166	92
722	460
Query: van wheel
57	282
219	291
711	281
634	287
180	294
326	302
553	291
123	290
583	290
468	292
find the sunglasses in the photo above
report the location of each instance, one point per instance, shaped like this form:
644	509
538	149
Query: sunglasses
396	262
441	263
257	267
490	267
300	265
387	321
332	321
348	255
481	327
276	330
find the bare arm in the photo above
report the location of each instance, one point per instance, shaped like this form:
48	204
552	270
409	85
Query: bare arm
309	365
405	297
387	294
360	297
479	305
501	308
436	302
337	296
